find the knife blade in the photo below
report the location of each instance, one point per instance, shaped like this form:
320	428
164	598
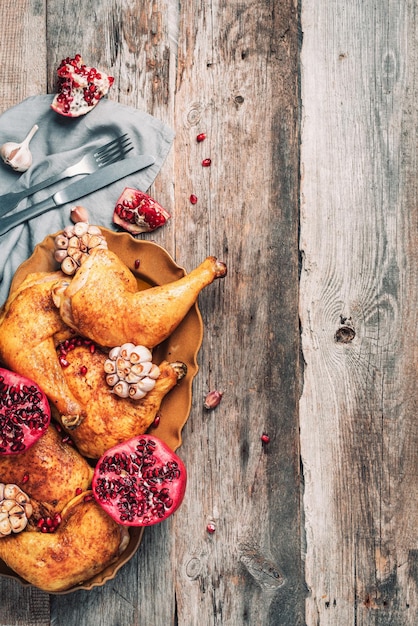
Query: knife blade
93	182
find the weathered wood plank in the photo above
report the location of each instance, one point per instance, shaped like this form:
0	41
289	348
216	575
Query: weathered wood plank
237	82
22	72
229	69
358	241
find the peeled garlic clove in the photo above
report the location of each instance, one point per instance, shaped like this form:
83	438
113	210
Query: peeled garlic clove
18	155
109	366
135	393
69	266
140	354
146	384
121	389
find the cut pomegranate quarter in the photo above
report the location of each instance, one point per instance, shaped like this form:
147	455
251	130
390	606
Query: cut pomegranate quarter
24	412
136	212
79	87
140	482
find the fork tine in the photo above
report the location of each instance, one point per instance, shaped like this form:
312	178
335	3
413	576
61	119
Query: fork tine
114	157
117	150
108	146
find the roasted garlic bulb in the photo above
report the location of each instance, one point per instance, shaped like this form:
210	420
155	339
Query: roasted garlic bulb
15	509
73	245
130	371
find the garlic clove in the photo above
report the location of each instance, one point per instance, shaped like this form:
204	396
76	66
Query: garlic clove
18	155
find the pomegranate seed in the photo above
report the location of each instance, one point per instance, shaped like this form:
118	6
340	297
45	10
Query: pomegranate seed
201	137
193	198
137	263
265	438
206	162
25	478
83	370
156	421
211	528
78	491
88	498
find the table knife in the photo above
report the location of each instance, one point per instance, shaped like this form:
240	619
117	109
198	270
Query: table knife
93	182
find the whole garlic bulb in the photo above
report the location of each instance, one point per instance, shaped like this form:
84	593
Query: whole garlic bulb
18	155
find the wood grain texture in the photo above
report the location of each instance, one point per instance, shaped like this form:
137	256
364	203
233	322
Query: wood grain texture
229	69
358	311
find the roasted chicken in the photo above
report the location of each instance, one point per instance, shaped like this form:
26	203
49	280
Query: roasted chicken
102	302
84	544
29	324
49	472
109	419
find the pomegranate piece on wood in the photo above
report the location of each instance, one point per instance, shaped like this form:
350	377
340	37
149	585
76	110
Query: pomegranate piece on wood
137	212
80	87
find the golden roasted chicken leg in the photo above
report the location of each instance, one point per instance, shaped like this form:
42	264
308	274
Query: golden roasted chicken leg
86	541
28	326
101	302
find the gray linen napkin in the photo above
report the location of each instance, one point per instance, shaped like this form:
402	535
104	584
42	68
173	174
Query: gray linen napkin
58	143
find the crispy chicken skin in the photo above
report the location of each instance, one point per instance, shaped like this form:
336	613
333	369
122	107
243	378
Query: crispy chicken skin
109	419
28	325
86	541
49	472
118	313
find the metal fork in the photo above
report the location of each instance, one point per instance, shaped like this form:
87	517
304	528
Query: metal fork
111	152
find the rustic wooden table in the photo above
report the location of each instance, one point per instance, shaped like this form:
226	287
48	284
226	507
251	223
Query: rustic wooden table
310	112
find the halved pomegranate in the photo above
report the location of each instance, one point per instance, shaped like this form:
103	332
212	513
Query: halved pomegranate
137	212
25	413
139	482
79	87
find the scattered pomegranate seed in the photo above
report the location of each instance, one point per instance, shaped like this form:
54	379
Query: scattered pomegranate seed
265	438
88	498
137	263
211	528
201	137
156	420
78	491
193	198
212	399
83	370
25	478
206	162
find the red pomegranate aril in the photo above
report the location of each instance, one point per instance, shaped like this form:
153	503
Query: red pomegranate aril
137	263
139	482
78	491
201	137
265	438
207	162
211	528
83	370
24	412
25	478
193	199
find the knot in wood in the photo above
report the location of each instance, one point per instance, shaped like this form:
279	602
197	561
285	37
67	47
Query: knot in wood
345	333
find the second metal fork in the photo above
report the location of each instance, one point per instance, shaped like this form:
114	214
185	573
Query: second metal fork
111	152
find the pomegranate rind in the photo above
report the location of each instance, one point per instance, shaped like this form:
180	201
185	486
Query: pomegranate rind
80	87
136	212
125	481
21	425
